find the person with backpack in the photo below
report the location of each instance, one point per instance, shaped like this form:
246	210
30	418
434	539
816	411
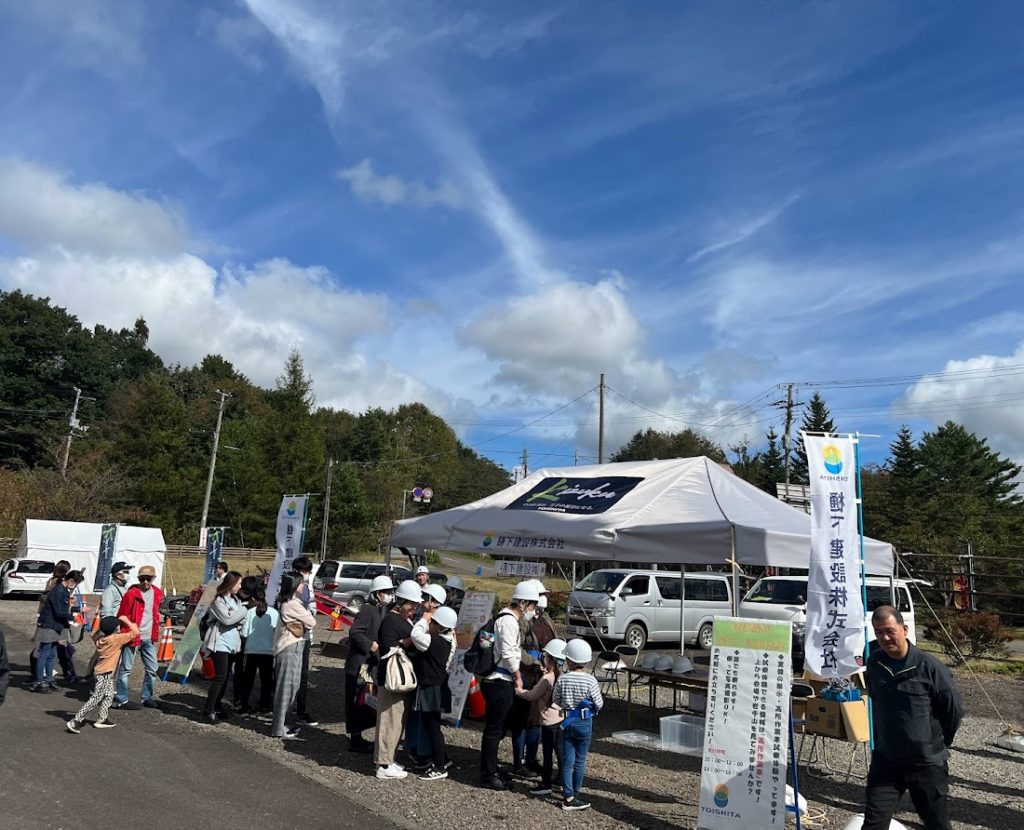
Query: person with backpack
289	643
578	694
222	640
362	656
499	672
545	714
394	695
433	696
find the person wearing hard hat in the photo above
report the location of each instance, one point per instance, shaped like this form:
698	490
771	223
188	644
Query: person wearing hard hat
393	707
362	652
423	576
417	741
578	694
545	713
917	711
433	696
498	687
523	722
140	604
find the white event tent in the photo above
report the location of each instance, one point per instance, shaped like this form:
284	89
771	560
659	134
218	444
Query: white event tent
682	511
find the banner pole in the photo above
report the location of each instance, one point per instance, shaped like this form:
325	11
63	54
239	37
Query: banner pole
863	579
794	764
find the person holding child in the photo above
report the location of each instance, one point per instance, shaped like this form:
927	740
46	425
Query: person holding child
578	695
546	714
109	643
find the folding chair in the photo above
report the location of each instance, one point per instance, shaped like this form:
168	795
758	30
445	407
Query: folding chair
607	669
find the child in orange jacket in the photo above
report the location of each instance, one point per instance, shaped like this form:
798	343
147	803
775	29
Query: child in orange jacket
108	648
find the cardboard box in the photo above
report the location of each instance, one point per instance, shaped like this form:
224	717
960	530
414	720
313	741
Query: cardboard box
845	721
855	720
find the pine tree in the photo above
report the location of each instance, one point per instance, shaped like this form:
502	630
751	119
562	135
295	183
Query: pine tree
817	418
772	470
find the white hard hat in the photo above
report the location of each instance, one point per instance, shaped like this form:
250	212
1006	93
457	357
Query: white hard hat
422	569
456	582
538	585
410	590
526	591
664	663
650	660
857	822
578	652
446	617
555	648
436	593
681	665
381	583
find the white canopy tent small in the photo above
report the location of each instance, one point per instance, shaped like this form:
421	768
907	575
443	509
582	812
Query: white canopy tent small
682	511
79	544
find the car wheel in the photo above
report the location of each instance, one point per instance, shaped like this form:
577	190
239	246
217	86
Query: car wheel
635	636
355	603
704	636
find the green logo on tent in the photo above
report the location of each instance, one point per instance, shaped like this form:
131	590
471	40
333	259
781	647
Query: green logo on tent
579	496
551	494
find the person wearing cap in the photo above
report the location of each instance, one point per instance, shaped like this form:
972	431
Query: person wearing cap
435	647
141	605
578	694
423	576
544	712
417	741
362	652
110	602
108	646
498	687
393	707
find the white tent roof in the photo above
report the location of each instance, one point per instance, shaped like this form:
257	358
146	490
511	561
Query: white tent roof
679	511
79	543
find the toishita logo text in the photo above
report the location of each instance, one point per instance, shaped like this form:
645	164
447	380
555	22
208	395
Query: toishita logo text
488	539
721	802
291	508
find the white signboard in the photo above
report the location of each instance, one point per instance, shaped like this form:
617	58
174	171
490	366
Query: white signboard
477	608
746	737
526	570
834	637
290	518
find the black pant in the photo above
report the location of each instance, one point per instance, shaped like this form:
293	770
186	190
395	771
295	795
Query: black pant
221	660
301	710
929	791
518	717
264	665
235	667
499	695
552	746
430	722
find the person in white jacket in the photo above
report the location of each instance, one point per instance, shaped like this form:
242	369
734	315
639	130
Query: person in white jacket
224	618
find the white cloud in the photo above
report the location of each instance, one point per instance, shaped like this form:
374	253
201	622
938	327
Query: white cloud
392	190
39	206
738	234
241	36
987	397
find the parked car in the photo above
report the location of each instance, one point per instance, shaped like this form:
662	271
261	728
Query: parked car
351	583
785	598
638	606
24	576
175	606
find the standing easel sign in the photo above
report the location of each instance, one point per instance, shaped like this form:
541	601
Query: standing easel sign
746	733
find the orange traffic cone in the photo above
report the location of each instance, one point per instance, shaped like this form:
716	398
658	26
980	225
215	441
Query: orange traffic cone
336	621
165	652
95	623
475	699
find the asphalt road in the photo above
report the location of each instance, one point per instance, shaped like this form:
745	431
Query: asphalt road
153	771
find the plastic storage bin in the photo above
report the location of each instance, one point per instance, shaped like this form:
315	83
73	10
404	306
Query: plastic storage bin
683	733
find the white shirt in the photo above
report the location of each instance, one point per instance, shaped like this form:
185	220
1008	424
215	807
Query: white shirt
508	642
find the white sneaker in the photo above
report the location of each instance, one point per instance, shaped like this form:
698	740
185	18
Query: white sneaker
391	771
74	726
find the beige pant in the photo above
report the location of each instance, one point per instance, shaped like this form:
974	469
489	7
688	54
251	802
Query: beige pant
392	711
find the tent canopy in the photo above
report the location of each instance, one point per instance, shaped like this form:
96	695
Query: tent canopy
680	511
79	543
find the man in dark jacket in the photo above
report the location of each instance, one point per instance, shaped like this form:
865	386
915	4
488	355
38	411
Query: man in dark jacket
917	711
5	669
363	649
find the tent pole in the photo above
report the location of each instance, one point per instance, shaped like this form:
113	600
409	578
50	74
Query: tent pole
682	609
735	574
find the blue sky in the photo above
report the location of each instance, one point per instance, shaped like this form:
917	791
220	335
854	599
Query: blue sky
483	207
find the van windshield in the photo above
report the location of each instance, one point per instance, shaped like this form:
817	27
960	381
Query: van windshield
600	582
778	592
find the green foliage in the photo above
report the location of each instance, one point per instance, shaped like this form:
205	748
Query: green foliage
817	418
772	469
970	635
651	444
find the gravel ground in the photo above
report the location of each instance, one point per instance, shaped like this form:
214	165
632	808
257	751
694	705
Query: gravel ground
629	786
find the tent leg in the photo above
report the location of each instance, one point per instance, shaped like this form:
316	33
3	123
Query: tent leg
682	610
735	576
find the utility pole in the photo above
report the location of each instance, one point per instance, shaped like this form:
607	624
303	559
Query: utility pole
525	458
575	458
600	421
788	405
213	465
327	509
72	426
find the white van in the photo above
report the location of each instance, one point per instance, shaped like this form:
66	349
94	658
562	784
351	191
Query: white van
785	598
638	607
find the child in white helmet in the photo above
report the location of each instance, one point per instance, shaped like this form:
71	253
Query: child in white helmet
548	715
578	694
433	696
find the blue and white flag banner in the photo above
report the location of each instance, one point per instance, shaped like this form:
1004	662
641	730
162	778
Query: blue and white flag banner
834	636
290	518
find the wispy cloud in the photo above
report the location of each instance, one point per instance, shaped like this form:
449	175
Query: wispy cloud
742	232
371	186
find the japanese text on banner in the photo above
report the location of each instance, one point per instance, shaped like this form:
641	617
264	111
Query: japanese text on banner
290	519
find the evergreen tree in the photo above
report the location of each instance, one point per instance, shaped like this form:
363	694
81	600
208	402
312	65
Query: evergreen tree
816	418
650	444
772	471
745	463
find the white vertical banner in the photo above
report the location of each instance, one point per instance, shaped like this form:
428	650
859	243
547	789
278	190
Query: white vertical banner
834	636
290	517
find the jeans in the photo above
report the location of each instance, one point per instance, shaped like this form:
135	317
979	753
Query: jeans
575	744
46	654
929	791
148	651
499	695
